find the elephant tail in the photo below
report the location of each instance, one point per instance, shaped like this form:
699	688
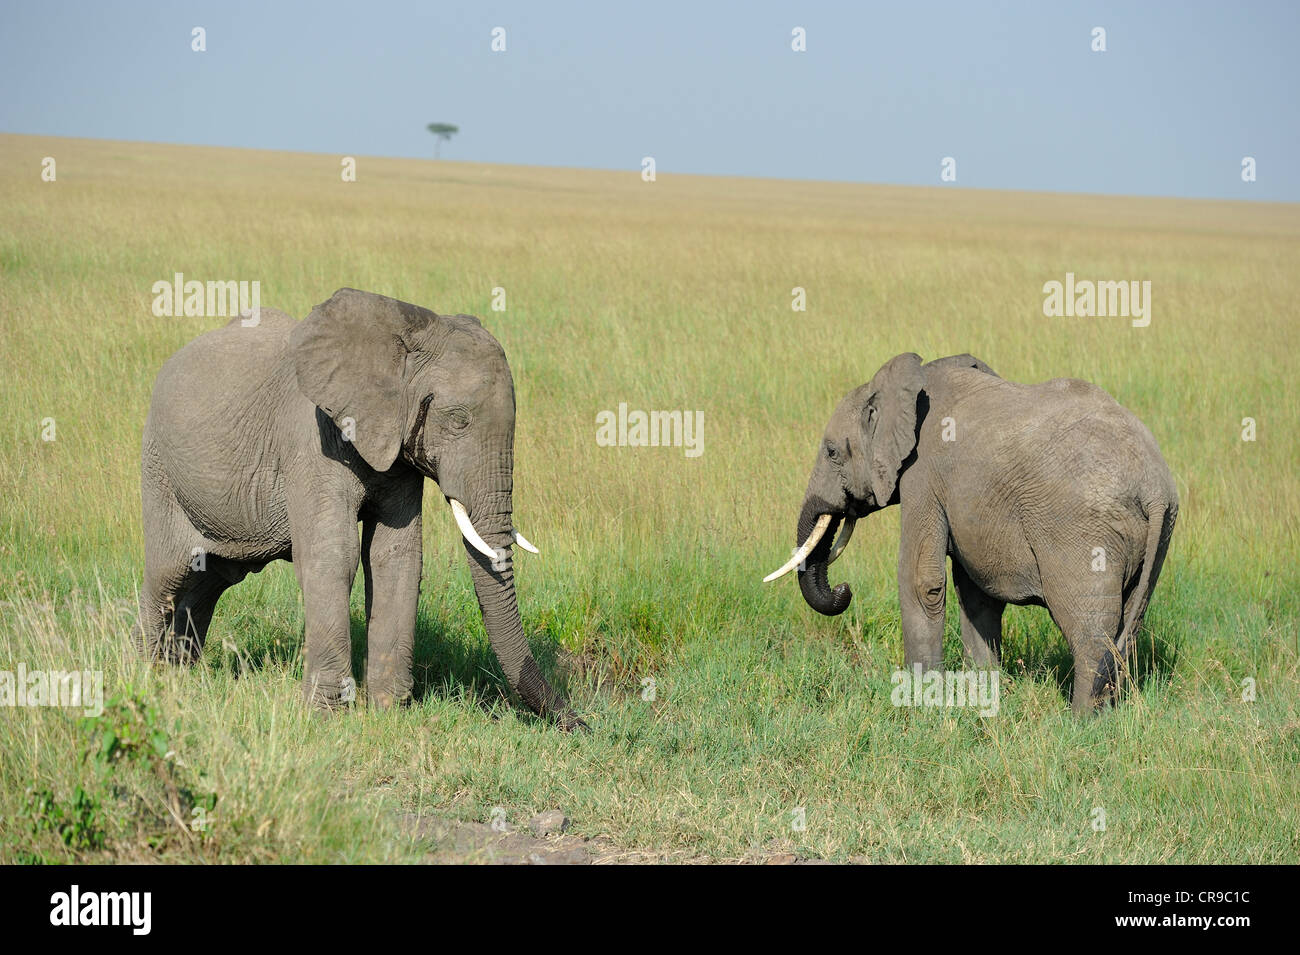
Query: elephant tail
1157	538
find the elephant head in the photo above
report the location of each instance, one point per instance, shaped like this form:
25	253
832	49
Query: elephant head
410	388
869	442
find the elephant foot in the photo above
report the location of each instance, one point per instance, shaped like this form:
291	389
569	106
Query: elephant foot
329	696
385	701
384	695
171	649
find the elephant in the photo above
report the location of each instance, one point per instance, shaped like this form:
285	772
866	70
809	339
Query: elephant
1050	495
270	439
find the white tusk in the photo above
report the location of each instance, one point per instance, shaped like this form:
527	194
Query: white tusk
522	541
802	553
467	530
843	540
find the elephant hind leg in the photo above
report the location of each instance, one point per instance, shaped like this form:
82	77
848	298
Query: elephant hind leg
169	540
1091	623
174	618
195	606
182	583
155	629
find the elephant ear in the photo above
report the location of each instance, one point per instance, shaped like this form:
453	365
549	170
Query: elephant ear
349	356
965	360
891	409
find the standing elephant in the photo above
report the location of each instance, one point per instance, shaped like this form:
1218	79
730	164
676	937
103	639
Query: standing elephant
1048	494
270	439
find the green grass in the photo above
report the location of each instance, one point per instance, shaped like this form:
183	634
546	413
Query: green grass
672	295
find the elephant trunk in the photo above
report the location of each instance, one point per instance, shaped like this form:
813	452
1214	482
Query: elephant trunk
812	575
494	585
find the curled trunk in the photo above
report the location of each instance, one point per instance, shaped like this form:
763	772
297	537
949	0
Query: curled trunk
813	583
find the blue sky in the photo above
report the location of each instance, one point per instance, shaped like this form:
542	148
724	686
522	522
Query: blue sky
884	91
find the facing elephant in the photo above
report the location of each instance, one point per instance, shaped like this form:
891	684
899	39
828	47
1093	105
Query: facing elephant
1049	494
270	438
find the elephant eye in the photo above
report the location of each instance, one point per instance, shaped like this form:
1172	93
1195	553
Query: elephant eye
457	419
831	452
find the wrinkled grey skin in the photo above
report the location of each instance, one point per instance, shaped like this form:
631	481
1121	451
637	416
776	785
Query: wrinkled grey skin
245	457
1036	478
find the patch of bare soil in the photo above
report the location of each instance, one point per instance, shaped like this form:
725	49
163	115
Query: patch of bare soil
545	842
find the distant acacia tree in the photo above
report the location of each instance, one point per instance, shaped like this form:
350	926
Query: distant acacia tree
442	133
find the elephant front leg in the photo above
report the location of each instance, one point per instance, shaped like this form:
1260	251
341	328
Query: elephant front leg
325	555
981	620
391	558
922	585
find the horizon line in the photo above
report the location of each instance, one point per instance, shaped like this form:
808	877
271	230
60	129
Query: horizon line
633	170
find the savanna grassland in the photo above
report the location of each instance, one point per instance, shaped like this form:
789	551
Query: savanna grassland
667	295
